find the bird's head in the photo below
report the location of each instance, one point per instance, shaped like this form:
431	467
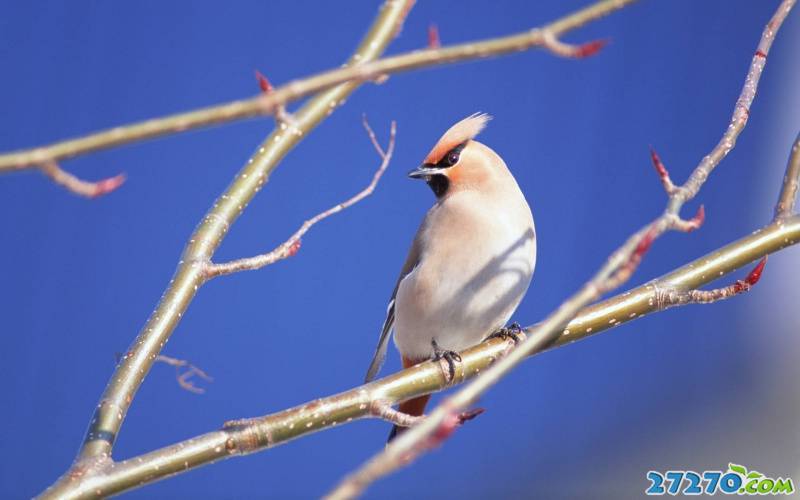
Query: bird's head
458	162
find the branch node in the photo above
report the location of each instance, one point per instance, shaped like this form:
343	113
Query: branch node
717	294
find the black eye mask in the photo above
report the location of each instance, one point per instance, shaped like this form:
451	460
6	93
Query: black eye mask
449	159
439	183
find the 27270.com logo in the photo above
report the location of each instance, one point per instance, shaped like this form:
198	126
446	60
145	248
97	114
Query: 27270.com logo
737	480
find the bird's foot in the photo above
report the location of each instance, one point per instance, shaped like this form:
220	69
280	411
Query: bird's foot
450	356
512	331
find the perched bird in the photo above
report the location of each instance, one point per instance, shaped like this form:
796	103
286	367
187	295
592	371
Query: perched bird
471	260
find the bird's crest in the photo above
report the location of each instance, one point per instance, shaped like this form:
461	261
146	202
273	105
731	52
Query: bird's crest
464	130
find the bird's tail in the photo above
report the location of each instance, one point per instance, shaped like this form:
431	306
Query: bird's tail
415	407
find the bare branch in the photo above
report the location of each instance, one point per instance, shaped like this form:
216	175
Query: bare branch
131	371
268	103
244	436
682	297
80	186
791	181
618	267
291	246
184	372
741	111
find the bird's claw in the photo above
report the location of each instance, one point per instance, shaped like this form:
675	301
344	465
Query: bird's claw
450	356
512	331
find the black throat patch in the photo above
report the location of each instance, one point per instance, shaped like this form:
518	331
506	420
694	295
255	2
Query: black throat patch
439	183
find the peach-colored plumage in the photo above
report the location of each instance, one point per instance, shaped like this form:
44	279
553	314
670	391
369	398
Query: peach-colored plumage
470	262
466	129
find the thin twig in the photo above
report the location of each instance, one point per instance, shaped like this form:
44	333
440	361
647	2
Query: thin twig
291	246
741	111
184	372
79	186
440	423
681	297
383	409
269	103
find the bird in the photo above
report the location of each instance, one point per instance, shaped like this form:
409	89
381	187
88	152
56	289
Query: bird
470	263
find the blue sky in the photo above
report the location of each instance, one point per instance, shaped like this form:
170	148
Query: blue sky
691	388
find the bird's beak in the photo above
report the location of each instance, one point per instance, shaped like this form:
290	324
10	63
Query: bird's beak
423	172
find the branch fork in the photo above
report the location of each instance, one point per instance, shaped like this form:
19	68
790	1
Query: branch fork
291	246
283	118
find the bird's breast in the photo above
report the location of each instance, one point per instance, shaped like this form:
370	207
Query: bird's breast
475	268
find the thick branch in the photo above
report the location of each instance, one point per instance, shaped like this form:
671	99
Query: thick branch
247	436
269	103
134	366
190	275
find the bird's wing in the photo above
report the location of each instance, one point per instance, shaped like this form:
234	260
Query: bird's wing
380	351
